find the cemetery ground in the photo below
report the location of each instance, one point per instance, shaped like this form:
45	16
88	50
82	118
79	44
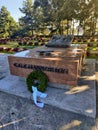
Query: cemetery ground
17	113
12	46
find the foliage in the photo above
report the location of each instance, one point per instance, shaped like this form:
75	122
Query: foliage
7	24
52	16
27	21
42	79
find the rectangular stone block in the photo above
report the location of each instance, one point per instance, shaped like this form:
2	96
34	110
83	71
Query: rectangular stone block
62	66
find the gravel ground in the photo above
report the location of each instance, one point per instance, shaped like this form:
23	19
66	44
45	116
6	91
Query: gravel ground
21	114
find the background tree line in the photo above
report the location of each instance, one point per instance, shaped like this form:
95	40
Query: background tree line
51	17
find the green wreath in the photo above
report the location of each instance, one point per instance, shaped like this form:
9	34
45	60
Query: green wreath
38	79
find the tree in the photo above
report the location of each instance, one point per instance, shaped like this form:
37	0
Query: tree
46	18
7	24
70	9
60	16
87	15
52	13
94	15
27	21
55	13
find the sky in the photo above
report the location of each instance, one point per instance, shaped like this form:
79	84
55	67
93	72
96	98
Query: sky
13	7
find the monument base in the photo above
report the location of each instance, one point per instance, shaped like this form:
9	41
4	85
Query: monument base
79	99
62	66
60	86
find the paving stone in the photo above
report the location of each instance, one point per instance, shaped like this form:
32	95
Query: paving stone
80	99
17	113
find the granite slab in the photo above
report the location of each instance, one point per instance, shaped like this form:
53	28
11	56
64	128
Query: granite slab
79	99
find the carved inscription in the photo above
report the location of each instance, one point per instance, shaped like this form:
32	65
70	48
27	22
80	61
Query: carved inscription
41	68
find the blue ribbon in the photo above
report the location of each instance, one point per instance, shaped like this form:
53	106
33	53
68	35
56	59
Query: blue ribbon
36	94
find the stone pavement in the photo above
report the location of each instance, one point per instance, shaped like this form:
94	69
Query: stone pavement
80	99
19	113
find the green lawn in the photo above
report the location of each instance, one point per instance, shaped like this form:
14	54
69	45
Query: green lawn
14	45
92	49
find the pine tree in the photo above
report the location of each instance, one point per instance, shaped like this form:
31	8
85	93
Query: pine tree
7	24
27	21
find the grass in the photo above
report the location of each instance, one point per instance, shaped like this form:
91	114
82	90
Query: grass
92	57
9	45
6	52
15	44
92	49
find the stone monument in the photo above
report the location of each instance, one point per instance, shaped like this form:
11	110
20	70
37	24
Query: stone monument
59	60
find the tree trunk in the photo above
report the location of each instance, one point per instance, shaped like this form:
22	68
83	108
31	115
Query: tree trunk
67	26
73	27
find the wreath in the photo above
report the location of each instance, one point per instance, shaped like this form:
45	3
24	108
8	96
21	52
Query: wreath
38	79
